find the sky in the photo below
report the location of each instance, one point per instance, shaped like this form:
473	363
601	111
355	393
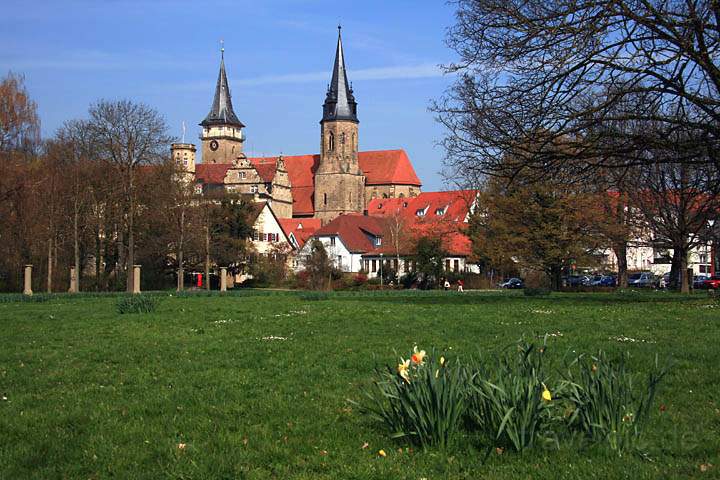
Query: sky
278	55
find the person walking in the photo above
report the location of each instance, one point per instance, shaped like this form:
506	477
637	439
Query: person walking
447	285
460	286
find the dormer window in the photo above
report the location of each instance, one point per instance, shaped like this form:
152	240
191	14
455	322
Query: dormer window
441	211
378	241
420	212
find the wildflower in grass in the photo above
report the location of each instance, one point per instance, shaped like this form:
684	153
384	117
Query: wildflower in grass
181	446
442	361
403	369
382	453
418	356
546	394
594	368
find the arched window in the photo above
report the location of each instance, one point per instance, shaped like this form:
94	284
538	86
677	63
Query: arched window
402	195
325	197
385	195
331	142
342	138
353	142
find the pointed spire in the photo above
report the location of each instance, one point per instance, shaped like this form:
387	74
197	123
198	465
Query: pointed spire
221	112
339	103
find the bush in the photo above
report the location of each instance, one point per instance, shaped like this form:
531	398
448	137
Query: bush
136	304
422	399
409	280
606	407
510	405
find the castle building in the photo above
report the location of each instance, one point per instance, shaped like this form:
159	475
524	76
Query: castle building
339	180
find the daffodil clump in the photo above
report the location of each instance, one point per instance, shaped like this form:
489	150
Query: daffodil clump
606	404
511	405
511	401
422	399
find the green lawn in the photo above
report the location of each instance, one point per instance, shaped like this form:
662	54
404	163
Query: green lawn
257	385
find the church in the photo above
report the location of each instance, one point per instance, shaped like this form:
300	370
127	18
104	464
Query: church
338	180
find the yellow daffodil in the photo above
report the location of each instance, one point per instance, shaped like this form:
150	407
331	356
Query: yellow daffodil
382	453
442	361
403	369
418	356
437	373
594	368
546	394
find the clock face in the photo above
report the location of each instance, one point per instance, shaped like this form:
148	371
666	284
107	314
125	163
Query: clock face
213	145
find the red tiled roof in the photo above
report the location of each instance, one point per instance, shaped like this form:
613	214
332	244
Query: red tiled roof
383	167
265	167
355	230
211	173
455	204
301	228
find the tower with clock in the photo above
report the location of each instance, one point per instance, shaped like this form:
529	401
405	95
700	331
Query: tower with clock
222	134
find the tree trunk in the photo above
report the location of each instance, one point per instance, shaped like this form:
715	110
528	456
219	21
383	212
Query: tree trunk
683	264
555	278
131	234
207	258
50	265
620	250
76	245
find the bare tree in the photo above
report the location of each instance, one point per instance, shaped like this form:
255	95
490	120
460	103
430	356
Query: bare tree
128	134
558	68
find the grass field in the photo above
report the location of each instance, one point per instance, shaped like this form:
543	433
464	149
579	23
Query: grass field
257	385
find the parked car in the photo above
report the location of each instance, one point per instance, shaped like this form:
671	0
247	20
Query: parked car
713	282
512	283
604	281
699	281
641	280
578	281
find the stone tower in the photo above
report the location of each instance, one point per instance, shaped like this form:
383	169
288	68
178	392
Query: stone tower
183	154
339	182
222	135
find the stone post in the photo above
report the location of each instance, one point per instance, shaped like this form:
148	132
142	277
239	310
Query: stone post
27	290
181	279
136	279
223	279
73	281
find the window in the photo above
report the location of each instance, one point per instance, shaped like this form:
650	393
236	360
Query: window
378	241
420	212
242	175
331	142
395	264
447	264
456	265
353	142
374	265
265	237
402	195
332	241
256	235
441	211
324	198
253	189
367	265
342	138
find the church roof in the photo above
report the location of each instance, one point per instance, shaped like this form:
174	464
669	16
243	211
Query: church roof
221	112
339	103
380	167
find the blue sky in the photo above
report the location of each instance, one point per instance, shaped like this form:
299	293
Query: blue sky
278	54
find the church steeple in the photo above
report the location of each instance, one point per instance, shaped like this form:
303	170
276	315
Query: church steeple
222	112
222	132
339	102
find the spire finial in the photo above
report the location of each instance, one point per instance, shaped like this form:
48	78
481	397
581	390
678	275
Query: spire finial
222	48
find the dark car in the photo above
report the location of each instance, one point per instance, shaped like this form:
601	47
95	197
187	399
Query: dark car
604	281
512	283
641	280
699	281
578	281
713	282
